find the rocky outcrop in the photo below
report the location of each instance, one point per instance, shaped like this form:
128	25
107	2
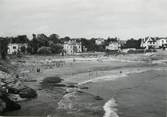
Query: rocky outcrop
79	102
10	86
51	81
27	93
6	104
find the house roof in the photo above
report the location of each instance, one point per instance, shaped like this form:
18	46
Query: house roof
72	42
149	39
153	39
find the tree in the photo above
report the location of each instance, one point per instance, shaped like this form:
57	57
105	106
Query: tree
54	38
23	49
44	50
89	44
62	40
42	40
56	48
37	42
3	47
33	45
19	39
132	43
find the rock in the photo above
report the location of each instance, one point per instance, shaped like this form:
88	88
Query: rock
17	85
13	90
2	105
71	85
98	98
8	105
54	79
83	87
28	93
30	80
16	98
51	81
60	85
78	102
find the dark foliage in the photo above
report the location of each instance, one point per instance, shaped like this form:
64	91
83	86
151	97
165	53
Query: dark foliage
132	43
10	105
44	50
3	47
51	81
89	44
19	39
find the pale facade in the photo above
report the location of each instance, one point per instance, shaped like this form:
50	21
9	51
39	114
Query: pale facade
149	42
161	42
15	47
113	46
99	41
72	47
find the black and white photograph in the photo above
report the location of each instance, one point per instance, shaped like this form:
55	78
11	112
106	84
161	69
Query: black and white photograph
83	58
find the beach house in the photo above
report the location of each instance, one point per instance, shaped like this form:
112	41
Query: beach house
99	41
14	48
149	43
72	47
162	42
113	45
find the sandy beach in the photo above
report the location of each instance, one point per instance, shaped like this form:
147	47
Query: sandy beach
130	86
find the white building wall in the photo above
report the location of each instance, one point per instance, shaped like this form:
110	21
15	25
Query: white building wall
14	48
113	46
161	42
72	48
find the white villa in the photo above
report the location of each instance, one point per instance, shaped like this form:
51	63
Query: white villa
151	42
72	47
15	47
162	42
113	45
99	41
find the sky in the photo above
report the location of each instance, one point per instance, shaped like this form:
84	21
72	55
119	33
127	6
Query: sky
84	18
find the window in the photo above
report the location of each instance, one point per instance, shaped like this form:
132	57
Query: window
14	47
162	41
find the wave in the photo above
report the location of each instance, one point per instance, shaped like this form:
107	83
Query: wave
110	108
111	77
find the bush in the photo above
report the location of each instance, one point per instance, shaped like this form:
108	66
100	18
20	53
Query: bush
56	49
51	81
44	50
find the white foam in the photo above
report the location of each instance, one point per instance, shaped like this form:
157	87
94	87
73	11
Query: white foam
103	78
110	108
111	77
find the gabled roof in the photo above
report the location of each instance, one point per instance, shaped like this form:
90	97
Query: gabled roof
149	39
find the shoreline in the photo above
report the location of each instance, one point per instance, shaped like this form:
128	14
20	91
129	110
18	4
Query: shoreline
98	85
118	107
